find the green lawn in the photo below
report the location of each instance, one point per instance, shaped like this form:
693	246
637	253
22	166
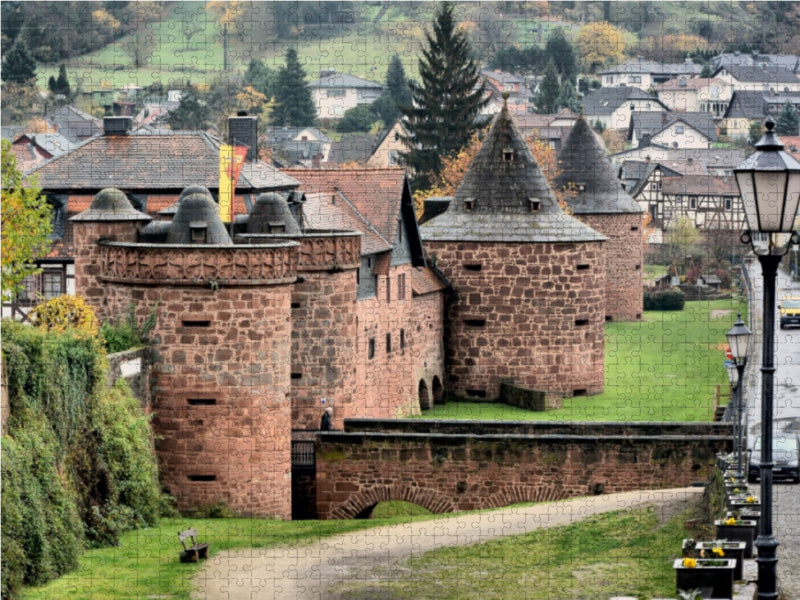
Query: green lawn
625	553
663	368
535	565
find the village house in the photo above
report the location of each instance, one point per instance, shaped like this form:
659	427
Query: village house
711	203
388	146
334	93
696	94
646	74
752	107
612	107
759	78
672	130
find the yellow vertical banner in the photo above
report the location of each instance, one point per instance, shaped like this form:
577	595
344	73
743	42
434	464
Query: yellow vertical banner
231	161
225	183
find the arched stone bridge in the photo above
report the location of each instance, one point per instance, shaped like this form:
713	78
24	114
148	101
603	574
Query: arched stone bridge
449	466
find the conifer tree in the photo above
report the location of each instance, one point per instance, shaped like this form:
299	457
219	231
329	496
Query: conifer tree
293	103
446	102
549	90
788	122
19	66
397	83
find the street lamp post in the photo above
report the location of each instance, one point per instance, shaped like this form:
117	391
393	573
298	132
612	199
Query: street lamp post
739	343
769	183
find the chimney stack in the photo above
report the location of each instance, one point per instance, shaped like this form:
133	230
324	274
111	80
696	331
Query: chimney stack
117	125
243	131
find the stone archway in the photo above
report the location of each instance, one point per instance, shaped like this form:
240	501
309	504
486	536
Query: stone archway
424	396
438	390
360	504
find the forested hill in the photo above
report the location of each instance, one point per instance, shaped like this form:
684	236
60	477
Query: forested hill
116	43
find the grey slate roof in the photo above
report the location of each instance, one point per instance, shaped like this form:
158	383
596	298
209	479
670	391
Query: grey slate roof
584	162
604	101
655	68
747	105
501	182
343	80
757	74
653	122
74	124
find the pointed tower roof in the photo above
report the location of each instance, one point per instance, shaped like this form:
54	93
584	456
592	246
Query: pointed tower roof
505	198
585	165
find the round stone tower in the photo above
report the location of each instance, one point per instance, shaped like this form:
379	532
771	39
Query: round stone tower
222	354
596	197
528	278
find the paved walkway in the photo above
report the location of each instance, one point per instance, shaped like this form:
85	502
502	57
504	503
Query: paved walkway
307	572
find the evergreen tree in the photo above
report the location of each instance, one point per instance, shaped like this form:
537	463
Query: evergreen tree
788	122
62	83
261	77
191	114
559	50
293	103
18	64
441	120
568	97
397	83
549	91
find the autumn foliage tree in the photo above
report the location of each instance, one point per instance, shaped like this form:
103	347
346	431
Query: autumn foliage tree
26	223
599	44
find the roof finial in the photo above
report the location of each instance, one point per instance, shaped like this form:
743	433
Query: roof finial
505	99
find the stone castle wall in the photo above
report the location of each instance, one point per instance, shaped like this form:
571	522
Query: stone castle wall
624	300
530	312
456	472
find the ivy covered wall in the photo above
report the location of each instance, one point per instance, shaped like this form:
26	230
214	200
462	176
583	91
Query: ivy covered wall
78	466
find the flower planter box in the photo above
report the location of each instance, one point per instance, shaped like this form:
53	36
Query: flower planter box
745	531
713	581
748	515
733	551
737	504
735	489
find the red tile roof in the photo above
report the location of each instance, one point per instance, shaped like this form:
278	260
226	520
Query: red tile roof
375	193
700	185
424	280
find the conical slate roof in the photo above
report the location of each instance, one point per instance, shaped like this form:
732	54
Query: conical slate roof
505	198
197	210
587	169
271	211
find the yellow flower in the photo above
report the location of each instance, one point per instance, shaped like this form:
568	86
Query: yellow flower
731	521
718	552
752	499
689	563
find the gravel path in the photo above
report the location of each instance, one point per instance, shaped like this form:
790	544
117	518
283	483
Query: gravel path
307	572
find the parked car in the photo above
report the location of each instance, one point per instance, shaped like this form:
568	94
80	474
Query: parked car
785	457
790	311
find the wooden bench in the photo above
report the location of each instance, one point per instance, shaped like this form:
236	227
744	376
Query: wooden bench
194	552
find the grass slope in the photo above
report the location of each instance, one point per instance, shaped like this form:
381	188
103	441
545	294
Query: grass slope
663	368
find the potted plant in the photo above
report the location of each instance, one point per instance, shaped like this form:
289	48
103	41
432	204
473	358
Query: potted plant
714	575
747	514
740	502
726	549
738	530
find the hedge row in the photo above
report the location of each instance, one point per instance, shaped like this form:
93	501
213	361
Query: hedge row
664	300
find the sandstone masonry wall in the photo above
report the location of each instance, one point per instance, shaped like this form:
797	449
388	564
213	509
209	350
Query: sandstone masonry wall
530	312
448	473
624	298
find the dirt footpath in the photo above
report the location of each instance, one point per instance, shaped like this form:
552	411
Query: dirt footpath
307	572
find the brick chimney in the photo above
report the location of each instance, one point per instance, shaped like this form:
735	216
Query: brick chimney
117	125
243	131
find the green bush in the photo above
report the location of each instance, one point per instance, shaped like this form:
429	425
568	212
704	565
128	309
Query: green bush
125	332
78	466
664	300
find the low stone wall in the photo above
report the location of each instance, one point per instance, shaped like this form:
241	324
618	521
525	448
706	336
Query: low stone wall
453	472
527	399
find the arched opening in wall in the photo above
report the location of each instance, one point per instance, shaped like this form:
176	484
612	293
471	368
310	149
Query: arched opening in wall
424	396
438	390
392	508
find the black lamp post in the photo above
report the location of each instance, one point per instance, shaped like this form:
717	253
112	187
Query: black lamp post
769	182
739	343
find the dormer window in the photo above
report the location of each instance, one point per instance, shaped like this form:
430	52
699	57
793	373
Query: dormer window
534	204
469	204
277	227
508	154
198	231
581	187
